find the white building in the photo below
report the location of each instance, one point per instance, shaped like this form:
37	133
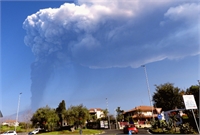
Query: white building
10	123
98	112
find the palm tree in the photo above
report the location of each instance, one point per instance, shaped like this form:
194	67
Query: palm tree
105	112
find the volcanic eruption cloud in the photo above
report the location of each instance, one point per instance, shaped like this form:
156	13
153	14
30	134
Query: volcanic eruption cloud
106	34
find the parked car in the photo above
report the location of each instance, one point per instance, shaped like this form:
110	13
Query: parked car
130	127
36	131
11	132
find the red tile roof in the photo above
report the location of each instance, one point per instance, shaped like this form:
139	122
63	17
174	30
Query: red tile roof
93	109
141	108
10	121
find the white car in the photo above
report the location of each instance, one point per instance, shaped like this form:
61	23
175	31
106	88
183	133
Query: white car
34	132
9	133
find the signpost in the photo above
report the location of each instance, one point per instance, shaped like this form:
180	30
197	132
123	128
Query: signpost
190	103
101	124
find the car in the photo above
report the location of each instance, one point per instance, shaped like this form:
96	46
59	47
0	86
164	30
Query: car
11	132
36	131
130	127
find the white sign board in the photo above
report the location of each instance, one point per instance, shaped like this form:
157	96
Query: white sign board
189	102
101	124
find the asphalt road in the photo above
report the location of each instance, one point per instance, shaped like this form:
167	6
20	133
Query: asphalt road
120	132
22	133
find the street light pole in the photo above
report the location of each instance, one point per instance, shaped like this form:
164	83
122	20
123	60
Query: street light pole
148	89
198	108
17	111
1	115
108	113
116	119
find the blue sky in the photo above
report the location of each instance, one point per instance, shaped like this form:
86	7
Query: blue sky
86	52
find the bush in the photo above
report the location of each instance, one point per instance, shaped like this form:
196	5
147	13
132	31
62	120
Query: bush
186	129
154	124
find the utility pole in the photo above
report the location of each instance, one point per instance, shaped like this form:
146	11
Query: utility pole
148	89
116	119
108	113
198	108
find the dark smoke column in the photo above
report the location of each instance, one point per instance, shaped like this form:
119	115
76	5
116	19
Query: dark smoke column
40	74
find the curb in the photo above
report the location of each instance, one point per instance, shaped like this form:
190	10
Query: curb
148	132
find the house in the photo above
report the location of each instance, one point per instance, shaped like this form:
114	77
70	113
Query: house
142	114
96	113
10	123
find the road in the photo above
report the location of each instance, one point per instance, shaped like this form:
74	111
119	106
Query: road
22	133
111	132
120	132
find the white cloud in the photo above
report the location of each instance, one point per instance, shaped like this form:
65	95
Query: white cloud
115	33
186	13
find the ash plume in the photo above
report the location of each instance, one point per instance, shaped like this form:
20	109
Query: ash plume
106	34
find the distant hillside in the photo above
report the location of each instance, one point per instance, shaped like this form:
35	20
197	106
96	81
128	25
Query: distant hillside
23	116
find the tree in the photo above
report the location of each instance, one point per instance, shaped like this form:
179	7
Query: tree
105	113
93	117
45	117
168	97
120	115
60	110
77	115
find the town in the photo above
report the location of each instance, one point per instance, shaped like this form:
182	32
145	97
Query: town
168	115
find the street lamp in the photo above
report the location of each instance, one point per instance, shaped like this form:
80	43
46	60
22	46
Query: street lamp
108	113
199	90
17	111
116	119
1	115
148	89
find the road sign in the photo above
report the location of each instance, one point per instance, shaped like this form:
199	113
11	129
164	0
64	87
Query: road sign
159	116
130	132
189	102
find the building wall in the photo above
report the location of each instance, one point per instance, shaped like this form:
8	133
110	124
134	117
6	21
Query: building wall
148	113
11	123
99	114
142	113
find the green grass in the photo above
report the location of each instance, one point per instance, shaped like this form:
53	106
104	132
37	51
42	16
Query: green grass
76	132
18	129
63	132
